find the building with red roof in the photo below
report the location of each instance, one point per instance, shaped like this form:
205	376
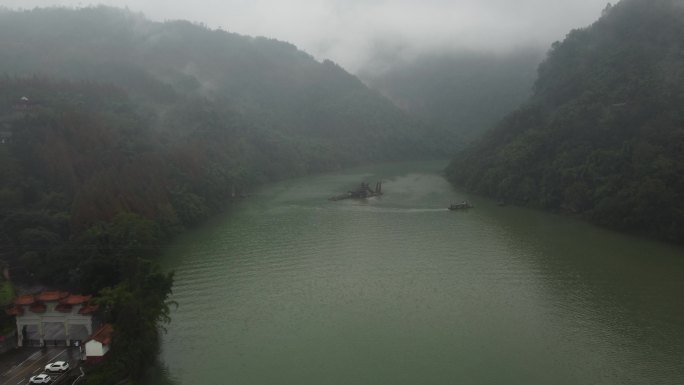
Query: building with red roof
52	318
98	344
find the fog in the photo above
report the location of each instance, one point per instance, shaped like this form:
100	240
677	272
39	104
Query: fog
358	34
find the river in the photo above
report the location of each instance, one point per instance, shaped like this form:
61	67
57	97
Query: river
289	288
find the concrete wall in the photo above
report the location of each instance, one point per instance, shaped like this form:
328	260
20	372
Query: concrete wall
94	349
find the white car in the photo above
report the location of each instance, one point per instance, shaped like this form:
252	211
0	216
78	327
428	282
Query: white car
40	379
57	366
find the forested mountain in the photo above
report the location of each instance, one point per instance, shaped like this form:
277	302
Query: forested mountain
459	95
603	134
117	132
165	121
272	84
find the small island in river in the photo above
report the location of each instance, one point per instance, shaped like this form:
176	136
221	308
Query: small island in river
460	206
362	192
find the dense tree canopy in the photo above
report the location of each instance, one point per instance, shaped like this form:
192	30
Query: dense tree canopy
117	132
163	121
603	134
271	84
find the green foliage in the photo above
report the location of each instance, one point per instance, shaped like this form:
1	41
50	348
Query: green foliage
135	130
137	307
277	88
603	134
7	293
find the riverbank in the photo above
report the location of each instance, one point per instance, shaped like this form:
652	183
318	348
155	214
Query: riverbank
381	291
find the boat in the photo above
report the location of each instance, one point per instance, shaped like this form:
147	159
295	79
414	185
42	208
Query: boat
460	206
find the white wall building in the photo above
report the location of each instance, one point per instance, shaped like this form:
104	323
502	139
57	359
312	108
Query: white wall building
98	345
52	318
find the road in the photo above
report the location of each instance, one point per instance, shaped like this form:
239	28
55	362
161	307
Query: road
17	367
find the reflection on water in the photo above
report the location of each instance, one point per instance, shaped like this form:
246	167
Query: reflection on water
293	289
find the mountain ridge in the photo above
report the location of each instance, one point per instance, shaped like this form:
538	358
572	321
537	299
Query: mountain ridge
272	83
602	136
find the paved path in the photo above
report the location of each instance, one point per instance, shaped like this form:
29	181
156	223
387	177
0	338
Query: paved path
17	367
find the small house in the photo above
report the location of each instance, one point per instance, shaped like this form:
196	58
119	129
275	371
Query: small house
97	346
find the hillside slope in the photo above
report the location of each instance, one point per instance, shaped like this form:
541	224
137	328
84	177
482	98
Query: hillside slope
459	95
111	124
272	84
117	132
603	134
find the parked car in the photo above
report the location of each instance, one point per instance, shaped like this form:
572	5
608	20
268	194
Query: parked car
40	379
57	366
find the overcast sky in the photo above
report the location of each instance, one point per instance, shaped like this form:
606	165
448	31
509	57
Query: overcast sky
352	32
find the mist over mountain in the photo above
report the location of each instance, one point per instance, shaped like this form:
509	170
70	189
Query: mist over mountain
603	133
117	132
109	121
351	32
458	94
270	82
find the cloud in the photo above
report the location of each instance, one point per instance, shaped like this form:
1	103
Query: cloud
352	32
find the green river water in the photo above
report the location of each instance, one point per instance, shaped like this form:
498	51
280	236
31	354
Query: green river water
290	289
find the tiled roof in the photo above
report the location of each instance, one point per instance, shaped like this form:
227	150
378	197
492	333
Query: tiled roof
89	309
51	296
14	310
25	299
103	335
66	301
75	299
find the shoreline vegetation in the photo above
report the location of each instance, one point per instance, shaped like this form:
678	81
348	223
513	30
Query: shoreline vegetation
109	150
602	137
118	133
